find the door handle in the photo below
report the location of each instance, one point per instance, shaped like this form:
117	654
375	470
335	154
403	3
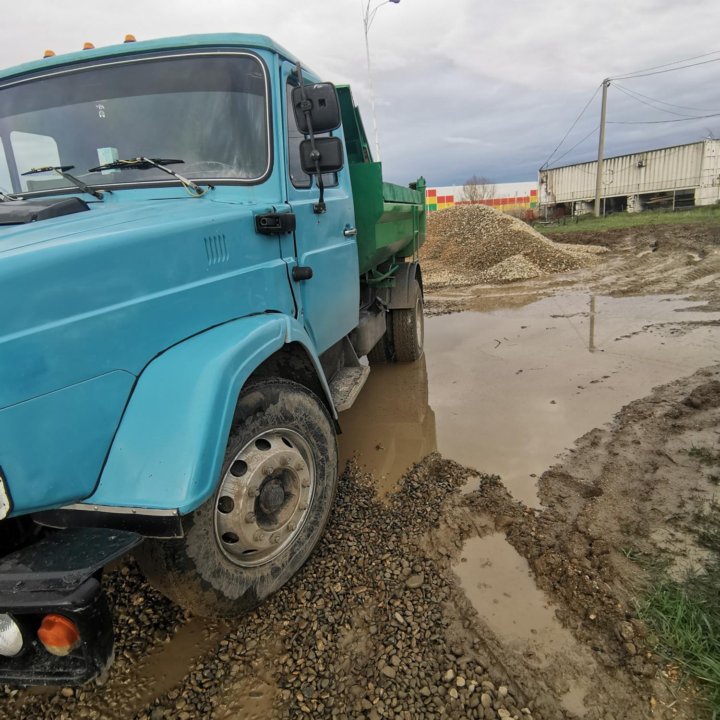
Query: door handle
350	232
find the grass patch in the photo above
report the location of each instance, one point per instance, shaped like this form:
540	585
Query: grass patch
686	619
685	616
589	223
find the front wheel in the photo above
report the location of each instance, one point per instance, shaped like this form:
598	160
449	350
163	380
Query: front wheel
276	490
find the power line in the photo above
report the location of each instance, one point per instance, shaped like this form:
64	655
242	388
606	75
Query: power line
677	62
575	122
580	142
664	102
632	96
660	72
659	122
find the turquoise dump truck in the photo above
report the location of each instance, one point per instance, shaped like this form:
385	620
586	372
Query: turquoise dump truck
196	253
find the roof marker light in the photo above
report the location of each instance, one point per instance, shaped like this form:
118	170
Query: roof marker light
130	38
49	53
88	46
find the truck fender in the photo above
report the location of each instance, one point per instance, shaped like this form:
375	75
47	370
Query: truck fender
170	445
400	294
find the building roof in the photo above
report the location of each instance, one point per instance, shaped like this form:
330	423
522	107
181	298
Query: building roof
624	155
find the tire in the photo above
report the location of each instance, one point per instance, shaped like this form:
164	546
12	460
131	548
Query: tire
276	490
408	327
382	352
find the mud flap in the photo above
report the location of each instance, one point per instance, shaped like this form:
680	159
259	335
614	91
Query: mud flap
60	574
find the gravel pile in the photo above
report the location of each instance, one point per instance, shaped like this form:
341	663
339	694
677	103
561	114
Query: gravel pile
471	244
367	629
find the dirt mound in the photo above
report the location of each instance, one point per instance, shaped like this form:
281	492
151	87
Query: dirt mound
471	244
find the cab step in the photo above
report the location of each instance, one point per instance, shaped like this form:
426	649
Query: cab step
347	384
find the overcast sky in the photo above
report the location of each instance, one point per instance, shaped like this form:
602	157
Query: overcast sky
463	86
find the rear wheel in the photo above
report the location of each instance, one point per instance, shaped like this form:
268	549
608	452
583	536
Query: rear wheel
408	327
383	351
276	490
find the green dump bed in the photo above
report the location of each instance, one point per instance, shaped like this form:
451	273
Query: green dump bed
390	219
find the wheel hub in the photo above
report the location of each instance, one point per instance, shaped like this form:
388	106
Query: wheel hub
264	497
272	497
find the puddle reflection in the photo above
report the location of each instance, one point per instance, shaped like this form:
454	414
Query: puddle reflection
391	426
512	389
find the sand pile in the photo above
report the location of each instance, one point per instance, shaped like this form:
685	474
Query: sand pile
471	244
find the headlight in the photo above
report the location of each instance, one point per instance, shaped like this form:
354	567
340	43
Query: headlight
11	639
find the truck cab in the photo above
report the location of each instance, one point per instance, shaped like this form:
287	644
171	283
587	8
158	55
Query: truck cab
194	256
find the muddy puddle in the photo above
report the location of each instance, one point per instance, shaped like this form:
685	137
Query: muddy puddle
507	391
391	425
498	583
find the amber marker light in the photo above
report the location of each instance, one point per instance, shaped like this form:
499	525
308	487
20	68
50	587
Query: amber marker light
49	53
88	46
130	38
58	634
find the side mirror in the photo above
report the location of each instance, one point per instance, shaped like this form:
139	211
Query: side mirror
322	102
330	150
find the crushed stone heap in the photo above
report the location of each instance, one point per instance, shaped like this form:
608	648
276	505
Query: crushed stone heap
471	244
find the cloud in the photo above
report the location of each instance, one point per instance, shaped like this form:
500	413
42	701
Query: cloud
462	87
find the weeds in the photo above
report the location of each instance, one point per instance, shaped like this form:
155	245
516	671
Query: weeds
686	619
685	616
705	456
589	223
651	563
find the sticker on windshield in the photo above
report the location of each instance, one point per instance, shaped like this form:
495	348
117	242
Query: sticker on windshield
107	155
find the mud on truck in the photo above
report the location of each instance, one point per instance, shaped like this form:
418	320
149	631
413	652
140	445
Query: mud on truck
196	253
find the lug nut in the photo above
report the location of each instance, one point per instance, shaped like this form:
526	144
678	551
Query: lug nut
298	466
274	539
268	470
306	483
259	536
291	527
250	517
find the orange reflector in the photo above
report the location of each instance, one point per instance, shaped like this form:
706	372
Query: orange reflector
49	53
129	38
88	46
58	634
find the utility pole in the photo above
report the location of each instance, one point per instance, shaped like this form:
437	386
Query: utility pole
601	148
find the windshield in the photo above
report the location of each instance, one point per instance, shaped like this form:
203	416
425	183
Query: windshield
211	111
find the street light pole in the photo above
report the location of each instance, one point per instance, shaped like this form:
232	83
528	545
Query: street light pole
368	17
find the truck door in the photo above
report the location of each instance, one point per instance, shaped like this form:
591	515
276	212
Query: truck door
325	243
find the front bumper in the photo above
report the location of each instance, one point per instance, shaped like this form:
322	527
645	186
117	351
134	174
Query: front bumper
60	574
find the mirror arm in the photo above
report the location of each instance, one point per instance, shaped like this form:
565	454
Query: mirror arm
319	207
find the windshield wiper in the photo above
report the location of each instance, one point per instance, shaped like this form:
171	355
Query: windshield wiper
144	163
4	197
62	170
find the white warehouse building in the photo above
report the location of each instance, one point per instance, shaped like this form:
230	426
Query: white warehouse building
682	175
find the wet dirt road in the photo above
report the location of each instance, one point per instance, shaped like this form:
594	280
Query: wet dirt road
449	596
507	390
